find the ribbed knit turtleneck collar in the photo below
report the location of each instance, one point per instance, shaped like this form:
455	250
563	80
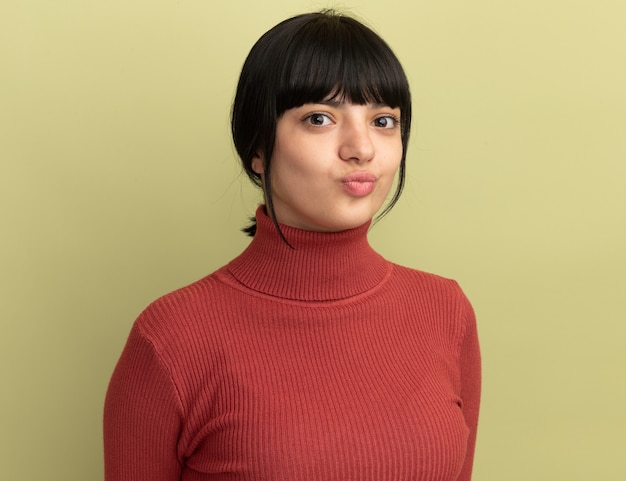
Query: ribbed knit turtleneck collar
322	266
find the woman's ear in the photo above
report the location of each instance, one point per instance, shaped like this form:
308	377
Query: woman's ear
257	164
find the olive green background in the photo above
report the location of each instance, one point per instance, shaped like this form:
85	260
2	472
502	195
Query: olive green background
119	183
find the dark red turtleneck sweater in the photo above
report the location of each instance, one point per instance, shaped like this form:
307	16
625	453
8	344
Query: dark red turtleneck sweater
320	363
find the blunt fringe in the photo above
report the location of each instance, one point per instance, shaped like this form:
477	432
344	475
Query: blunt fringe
310	58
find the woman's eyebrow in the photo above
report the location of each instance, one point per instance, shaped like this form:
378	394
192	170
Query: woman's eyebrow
331	103
340	103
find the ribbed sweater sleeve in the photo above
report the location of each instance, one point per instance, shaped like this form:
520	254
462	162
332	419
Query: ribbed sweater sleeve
142	417
470	368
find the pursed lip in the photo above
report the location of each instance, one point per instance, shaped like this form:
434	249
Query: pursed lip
359	184
359	177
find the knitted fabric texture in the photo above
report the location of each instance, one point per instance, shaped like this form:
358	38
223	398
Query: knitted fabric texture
320	363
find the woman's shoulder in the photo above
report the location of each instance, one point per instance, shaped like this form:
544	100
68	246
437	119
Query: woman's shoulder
426	285
441	298
419	278
185	307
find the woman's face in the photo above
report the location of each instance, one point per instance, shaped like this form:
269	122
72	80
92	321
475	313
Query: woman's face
334	164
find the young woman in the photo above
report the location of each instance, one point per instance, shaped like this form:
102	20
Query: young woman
309	356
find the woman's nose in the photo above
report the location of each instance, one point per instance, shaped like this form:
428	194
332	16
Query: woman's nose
356	143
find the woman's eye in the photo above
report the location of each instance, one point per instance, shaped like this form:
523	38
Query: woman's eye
318	119
385	122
